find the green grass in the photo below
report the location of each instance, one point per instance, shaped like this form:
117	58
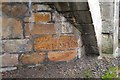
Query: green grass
111	73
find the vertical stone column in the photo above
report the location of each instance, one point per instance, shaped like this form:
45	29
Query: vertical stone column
116	28
107	11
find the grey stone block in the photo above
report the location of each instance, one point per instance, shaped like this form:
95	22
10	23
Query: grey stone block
67	27
19	45
56	17
107	44
88	29
107	12
71	6
7	69
107	3
39	7
64	27
91	50
78	26
79	6
83	17
119	34
89	40
62	6
9	59
71	20
107	26
68	14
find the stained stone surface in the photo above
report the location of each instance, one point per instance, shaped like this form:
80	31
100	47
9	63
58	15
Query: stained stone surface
107	47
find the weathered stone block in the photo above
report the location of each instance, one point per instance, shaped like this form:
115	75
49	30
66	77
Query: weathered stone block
34	58
71	20
107	12
107	44
89	40
66	27
49	42
91	50
107	3
81	52
119	34
62	6
56	17
5	69
62	55
83	17
39	17
71	6
32	29
87	29
18	45
14	10
11	28
107	26
39	7
79	6
68	14
77	33
78	27
9	59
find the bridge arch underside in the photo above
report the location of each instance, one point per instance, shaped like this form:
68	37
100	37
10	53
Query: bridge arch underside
79	14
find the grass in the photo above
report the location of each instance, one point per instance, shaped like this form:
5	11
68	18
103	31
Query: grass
111	73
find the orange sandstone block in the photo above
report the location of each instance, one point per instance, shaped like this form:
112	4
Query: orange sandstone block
62	55
32	29
49	42
39	17
34	58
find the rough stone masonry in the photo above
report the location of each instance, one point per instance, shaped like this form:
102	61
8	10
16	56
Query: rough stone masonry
36	33
47	32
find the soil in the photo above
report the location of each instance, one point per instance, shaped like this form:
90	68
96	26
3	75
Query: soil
85	67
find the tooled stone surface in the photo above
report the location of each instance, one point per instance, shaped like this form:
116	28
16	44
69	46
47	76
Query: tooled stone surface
14	10
49	42
18	45
34	58
11	28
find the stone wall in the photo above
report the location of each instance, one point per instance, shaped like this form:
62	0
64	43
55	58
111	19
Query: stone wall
79	14
107	15
116	29
36	33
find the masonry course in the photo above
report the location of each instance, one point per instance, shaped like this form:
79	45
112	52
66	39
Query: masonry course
36	33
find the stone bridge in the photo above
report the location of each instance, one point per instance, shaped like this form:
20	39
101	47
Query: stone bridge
40	32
